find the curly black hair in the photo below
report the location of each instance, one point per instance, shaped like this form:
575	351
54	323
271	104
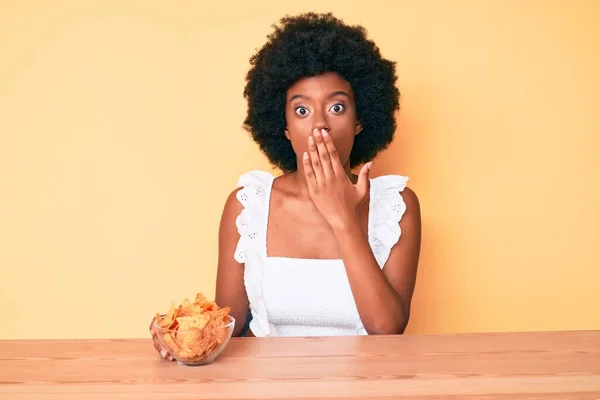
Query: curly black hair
311	44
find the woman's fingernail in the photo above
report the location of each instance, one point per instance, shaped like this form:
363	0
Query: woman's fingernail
325	133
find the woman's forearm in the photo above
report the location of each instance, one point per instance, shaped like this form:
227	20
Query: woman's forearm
381	309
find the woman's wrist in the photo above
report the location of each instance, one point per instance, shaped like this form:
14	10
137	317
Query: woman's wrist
346	225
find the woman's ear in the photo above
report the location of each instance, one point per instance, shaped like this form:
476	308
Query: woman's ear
359	128
287	133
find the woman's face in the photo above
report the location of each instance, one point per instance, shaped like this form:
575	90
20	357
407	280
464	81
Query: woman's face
322	102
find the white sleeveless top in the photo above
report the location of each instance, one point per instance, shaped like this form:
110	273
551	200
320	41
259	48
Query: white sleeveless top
307	297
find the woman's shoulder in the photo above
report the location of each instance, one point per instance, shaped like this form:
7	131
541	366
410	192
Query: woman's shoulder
392	199
394	183
389	182
255	177
394	211
249	192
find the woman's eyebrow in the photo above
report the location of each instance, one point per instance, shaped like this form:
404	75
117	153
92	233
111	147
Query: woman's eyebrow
332	94
338	93
298	96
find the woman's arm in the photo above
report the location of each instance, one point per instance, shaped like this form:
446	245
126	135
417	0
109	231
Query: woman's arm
230	289
383	297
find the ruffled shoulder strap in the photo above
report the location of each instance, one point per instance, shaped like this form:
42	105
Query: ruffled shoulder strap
252	221
386	209
251	250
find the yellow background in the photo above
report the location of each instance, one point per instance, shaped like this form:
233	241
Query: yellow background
121	137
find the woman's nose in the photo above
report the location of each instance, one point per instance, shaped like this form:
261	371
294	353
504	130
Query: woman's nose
321	127
320	123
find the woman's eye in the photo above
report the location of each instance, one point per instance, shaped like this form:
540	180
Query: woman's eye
337	108
301	111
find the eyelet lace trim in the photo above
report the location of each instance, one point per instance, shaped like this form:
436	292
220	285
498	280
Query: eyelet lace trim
386	210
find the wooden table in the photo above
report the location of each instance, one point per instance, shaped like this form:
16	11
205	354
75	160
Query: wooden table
558	365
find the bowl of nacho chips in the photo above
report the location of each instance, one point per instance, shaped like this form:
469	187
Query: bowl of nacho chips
195	333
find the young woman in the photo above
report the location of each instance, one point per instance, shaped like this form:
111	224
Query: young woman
318	250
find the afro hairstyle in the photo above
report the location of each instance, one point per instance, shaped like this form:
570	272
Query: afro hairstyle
311	44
